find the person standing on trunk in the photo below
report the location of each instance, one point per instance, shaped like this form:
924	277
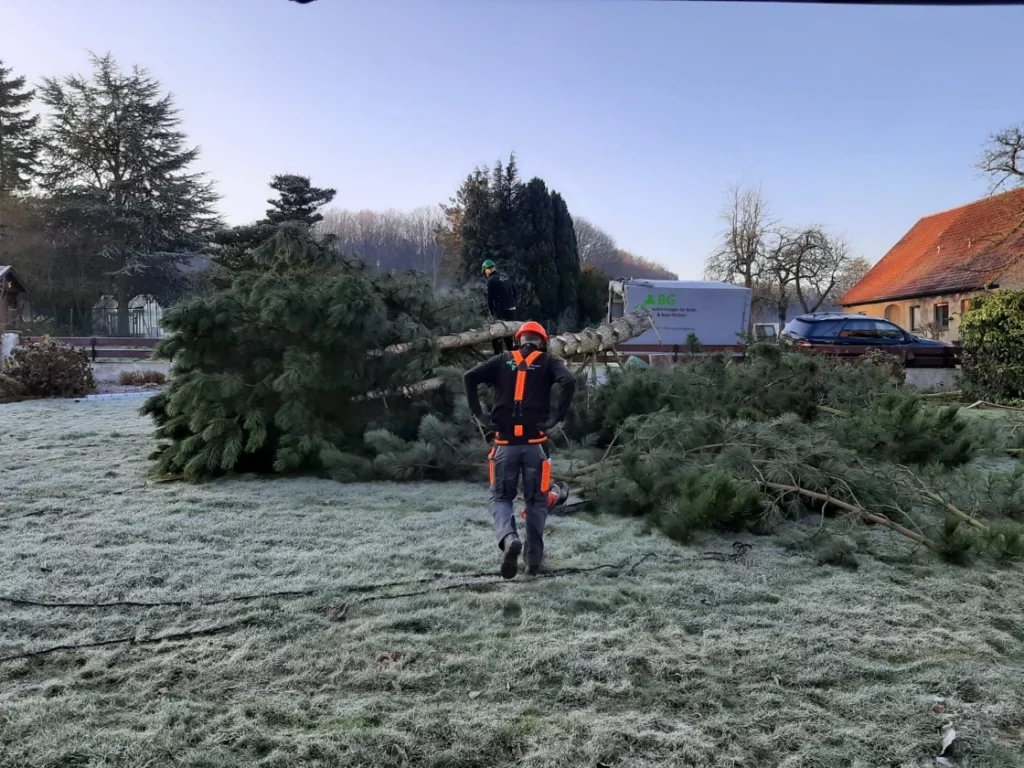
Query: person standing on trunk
501	300
522	381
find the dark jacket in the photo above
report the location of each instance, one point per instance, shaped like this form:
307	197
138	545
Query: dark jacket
501	295
542	373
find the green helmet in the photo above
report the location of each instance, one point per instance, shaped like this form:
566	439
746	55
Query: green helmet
489	265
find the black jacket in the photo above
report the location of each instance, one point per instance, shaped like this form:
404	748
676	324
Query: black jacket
542	373
501	295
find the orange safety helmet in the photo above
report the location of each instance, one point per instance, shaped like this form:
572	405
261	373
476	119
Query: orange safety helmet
532	327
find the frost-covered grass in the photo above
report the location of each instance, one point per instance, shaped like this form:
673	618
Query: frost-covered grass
768	659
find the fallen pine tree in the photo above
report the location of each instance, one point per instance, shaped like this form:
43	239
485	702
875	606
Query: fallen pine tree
714	445
314	365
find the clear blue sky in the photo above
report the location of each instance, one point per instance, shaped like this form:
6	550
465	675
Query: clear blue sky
641	113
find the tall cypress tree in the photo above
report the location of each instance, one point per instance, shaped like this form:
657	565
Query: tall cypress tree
567	260
19	141
535	265
526	229
471	222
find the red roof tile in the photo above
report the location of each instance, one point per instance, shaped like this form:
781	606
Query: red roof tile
964	249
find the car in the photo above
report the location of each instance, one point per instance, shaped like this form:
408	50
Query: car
853	335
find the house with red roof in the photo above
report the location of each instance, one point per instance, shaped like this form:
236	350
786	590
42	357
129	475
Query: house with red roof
928	279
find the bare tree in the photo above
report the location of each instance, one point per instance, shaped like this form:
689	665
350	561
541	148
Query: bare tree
596	247
740	256
785	251
421	229
855	270
779	264
1003	158
389	240
821	262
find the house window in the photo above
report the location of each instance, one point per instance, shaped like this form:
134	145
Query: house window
942	316
915	318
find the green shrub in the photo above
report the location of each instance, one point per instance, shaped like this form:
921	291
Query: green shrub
992	335
47	368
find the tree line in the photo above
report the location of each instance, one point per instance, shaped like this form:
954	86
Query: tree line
100	199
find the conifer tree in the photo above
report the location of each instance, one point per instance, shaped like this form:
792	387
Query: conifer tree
275	373
116	165
298	200
567	260
19	144
535	267
526	229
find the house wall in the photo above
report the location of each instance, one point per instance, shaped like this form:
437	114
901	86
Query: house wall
899	311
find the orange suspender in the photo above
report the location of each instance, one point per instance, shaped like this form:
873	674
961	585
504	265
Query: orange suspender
520	392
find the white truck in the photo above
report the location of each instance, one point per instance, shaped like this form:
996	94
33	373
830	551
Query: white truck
717	315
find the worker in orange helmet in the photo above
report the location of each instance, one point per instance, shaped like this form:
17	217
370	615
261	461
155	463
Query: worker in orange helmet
522	381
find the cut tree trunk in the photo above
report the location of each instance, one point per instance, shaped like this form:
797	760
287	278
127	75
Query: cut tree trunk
471	338
587	342
607	336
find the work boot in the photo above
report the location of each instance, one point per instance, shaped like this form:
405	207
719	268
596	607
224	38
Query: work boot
510	557
534	570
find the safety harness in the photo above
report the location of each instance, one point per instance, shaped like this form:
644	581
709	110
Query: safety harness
518	428
554	497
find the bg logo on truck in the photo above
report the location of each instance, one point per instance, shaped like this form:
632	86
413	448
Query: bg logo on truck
664	300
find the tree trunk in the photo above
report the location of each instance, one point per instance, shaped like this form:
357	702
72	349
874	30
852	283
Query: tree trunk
469	338
586	342
606	336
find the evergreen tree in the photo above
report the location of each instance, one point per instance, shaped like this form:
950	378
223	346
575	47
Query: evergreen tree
526	229
19	145
298	200
274	373
592	299
116	164
535	266
470	216
567	261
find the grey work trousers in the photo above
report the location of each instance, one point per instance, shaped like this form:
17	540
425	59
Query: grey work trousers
507	464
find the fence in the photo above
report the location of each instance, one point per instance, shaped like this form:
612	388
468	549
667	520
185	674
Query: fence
107	347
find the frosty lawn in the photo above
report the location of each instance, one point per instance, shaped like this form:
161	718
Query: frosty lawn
741	657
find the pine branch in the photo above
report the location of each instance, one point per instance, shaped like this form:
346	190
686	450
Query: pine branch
859	511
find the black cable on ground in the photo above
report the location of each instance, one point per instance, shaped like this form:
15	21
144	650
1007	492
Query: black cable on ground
338	613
